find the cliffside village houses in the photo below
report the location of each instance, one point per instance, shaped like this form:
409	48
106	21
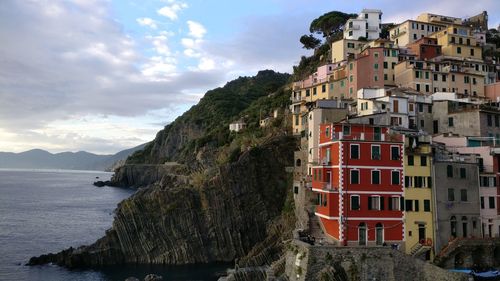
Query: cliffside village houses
399	136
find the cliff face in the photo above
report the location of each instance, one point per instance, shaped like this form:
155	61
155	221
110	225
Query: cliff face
173	222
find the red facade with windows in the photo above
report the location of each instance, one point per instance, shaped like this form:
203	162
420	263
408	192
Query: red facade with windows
359	182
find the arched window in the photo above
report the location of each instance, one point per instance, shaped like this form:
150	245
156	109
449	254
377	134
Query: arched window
453	226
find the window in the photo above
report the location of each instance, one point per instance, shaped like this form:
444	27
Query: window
463	173
395	177
375	54
376	152
490	120
386	65
355	202
429	182
463	195
350	33
414	36
323	88
466	79
394	204
374	203
346	130
419	181
417	87
394	153
366	16
482	202
450	121
351	78
427	205
453	77
417	207
418	74
408	205
410	160
375	78
407	181
354	151
472	52
314	91
350	66
459	50
435	77
354	176
375	66
451	194
449	171
423	160
427	88
429	108
375	177
386	77
491	202
308	92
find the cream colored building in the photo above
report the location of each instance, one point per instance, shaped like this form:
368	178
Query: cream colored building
457	41
345	48
411	30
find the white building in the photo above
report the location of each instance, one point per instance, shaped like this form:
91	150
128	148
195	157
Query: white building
237	126
368	25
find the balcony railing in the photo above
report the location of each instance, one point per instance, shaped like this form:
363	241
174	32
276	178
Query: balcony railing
372	28
367	137
326	186
353	27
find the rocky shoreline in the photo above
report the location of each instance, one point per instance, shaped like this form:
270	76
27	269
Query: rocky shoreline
220	219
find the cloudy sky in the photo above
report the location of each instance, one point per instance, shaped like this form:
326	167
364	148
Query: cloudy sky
105	75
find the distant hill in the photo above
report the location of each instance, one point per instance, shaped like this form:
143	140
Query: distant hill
41	159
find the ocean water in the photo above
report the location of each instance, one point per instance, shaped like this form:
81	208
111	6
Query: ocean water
43	211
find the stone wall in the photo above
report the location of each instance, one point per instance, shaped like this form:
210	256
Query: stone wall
305	262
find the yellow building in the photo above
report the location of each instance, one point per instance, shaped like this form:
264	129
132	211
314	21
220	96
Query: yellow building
419	229
343	48
457	41
445	76
410	31
434	18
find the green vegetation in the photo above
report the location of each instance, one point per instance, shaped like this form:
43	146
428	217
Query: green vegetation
210	118
330	27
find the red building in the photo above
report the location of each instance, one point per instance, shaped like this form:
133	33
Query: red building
425	48
359	182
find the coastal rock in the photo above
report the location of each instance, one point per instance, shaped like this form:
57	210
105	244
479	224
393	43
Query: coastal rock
171	222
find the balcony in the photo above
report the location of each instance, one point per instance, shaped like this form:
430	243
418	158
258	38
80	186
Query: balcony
327	186
368	137
353	27
372	28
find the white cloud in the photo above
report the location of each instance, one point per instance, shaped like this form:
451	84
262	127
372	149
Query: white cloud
196	29
172	10
206	64
147	22
56	69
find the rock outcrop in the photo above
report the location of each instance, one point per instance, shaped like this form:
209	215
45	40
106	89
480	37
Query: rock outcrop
172	222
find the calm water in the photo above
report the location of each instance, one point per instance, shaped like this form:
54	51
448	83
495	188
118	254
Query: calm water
48	211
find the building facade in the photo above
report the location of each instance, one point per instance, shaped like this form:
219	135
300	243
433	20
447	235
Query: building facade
359	183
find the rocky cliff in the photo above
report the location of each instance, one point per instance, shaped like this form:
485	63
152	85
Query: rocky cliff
172	222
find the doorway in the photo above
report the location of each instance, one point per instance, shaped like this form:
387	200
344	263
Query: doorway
362	234
421	232
379	234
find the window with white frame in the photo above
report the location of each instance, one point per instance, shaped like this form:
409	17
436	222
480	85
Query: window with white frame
376	152
374	202
394	203
354	176
355	202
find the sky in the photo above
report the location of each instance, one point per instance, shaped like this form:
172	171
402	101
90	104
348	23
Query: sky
106	75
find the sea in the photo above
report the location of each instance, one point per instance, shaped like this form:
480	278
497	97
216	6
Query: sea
44	211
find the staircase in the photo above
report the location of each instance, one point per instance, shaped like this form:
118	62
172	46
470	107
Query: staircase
315	229
419	249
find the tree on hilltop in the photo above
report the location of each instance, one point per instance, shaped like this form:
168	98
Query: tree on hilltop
309	41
